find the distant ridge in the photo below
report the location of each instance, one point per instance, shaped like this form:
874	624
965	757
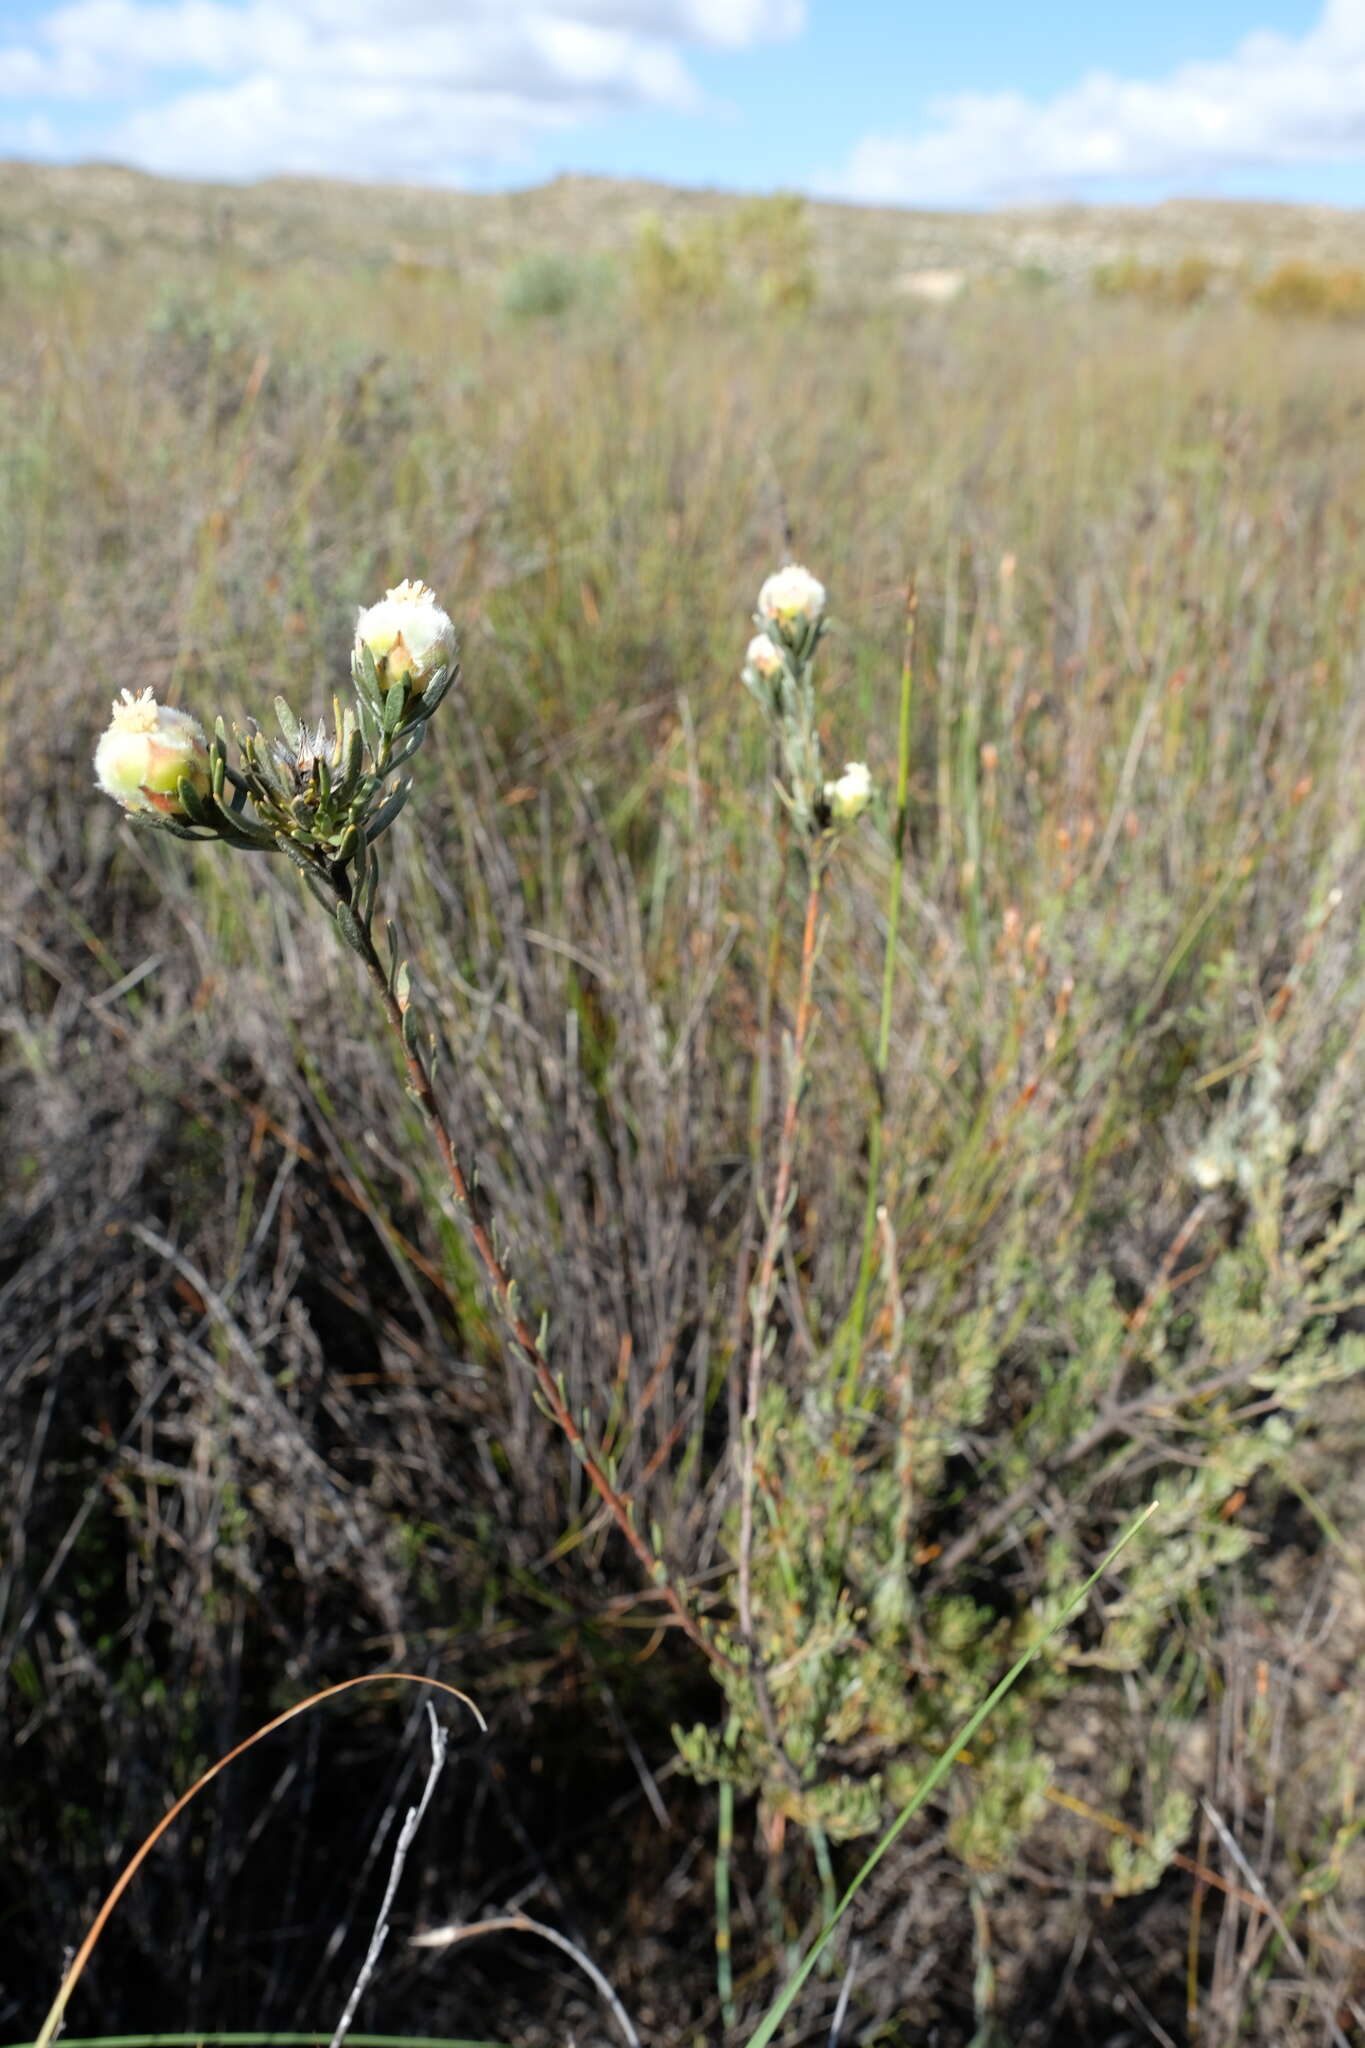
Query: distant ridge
95	213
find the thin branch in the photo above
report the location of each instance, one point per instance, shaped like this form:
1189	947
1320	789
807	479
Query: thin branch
845	1993
857	1314
406	1835
761	1299
504	1294
1114	1418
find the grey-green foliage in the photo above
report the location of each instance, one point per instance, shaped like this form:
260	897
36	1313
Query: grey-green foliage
867	1689
322	800
546	282
869	1665
784	690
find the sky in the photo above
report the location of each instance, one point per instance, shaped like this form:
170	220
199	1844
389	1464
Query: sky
978	103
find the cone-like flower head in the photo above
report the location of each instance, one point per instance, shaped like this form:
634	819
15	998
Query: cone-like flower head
850	796
145	754
793	599
408	634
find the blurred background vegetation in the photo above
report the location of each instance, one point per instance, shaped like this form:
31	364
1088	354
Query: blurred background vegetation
258	1423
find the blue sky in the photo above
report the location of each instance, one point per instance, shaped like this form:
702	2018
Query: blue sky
973	104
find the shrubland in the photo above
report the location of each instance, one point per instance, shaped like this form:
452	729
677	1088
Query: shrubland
1074	1210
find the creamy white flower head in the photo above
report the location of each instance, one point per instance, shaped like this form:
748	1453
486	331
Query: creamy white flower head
763	657
408	634
1207	1170
147	751
792	597
850	795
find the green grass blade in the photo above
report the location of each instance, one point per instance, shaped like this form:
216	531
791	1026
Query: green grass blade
317	2039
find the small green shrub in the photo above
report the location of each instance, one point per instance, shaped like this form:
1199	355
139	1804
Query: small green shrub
542	285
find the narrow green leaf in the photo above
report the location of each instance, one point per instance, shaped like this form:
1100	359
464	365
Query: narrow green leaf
406	745
353	759
264	768
365	675
439	687
289	725
351	929
369	888
367	718
395	703
388	810
234	833
194	805
294	853
313	2040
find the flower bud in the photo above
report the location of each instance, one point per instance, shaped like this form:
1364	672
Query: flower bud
763	657
145	754
792	599
408	634
850	796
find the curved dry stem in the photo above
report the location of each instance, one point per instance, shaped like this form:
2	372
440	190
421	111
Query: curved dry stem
51	2024
518	1923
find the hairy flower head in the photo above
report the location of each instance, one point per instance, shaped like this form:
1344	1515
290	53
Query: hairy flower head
763	657
792	598
146	752
850	795
408	634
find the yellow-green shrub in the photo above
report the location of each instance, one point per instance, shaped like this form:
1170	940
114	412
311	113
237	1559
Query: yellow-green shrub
1309	291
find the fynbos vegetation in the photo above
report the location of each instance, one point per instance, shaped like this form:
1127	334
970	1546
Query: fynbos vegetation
720	1252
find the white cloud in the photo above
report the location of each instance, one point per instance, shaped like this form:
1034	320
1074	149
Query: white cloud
1275	101
382	131
366	88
